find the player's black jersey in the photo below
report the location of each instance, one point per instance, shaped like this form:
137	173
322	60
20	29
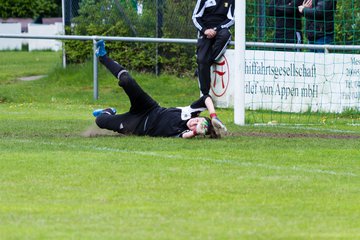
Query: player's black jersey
214	14
169	122
157	122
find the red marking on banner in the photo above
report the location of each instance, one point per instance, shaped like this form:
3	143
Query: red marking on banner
220	72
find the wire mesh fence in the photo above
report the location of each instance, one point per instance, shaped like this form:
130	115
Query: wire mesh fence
295	80
149	18
266	20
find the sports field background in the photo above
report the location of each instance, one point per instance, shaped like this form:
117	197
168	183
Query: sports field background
61	178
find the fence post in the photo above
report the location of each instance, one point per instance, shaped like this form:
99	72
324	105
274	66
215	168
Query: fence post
95	71
63	33
239	84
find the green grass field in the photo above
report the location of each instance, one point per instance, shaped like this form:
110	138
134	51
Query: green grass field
261	182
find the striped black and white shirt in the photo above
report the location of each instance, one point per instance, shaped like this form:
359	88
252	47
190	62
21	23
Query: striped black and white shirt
215	14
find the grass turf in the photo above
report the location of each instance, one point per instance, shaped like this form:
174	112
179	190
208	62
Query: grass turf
261	182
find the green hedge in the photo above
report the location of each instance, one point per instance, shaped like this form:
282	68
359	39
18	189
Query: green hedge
30	8
106	18
119	18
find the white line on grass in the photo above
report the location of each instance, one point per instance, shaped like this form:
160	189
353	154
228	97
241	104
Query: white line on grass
302	127
219	161
294	168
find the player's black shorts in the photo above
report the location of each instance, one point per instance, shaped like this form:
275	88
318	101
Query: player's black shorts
134	121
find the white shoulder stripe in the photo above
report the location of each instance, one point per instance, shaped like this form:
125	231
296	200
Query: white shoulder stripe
197	14
186	112
230	17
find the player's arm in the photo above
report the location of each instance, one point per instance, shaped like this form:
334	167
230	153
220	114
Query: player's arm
200	130
188	134
320	12
230	21
198	14
290	8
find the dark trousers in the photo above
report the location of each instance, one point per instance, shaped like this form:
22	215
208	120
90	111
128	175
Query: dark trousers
141	102
208	51
327	39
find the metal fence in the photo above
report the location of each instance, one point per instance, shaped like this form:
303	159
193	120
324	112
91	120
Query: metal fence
172	18
94	39
166	40
71	10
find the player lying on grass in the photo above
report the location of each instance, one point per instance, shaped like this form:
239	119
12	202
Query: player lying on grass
146	117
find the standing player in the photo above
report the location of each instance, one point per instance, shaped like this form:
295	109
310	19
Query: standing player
212	18
320	20
145	116
287	20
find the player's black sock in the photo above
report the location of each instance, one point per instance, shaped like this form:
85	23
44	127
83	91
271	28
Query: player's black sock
114	67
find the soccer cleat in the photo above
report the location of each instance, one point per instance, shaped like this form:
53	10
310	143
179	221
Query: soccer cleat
98	112
100	48
219	127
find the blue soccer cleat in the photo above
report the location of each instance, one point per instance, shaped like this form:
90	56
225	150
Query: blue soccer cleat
100	48
98	112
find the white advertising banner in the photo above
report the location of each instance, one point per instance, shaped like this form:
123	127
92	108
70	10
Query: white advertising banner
291	81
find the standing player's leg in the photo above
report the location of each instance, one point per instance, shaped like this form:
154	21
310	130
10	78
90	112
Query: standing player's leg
222	40
204	61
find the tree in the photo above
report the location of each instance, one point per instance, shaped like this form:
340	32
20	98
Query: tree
29	8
